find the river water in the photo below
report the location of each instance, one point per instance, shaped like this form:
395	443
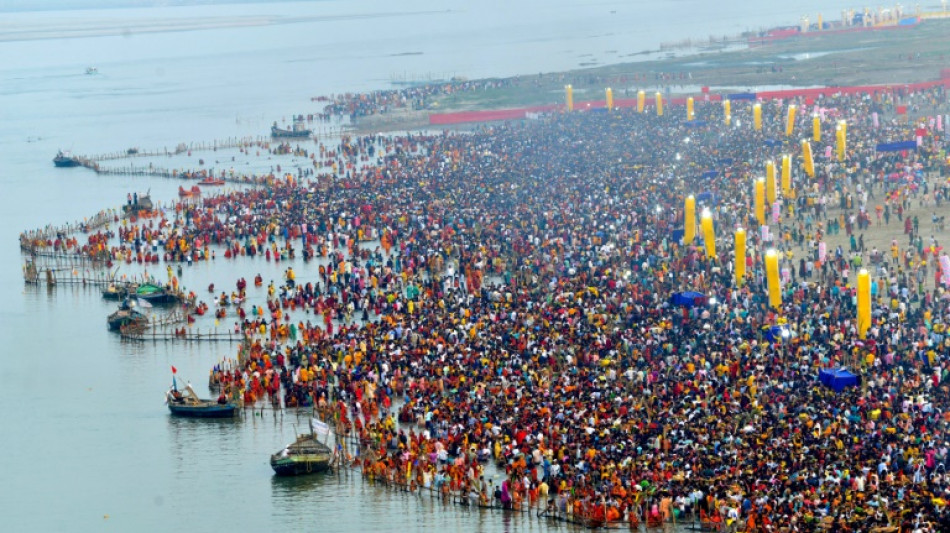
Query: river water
87	442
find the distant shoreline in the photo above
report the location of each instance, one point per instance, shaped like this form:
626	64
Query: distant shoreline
900	57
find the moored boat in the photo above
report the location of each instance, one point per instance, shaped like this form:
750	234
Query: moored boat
306	455
188	404
66	159
117	291
139	203
155	294
125	315
299	129
211	181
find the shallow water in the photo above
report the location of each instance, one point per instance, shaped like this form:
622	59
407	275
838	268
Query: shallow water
88	444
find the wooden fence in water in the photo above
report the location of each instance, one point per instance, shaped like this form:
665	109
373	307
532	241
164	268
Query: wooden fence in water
184	334
262	142
161	172
66	275
29	239
184	148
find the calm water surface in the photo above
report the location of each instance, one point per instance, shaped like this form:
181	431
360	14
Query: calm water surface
87	443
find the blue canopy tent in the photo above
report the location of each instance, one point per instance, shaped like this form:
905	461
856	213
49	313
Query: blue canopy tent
706	198
838	380
741	96
897	147
688	299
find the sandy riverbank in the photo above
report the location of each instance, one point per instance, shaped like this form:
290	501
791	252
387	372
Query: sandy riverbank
897	56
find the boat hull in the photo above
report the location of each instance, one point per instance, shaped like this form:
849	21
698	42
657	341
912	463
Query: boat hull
114	293
155	296
278	132
66	162
118	319
158	298
213	410
300	464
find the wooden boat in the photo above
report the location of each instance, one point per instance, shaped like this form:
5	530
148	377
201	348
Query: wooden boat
188	404
124	316
154	294
116	291
299	129
142	203
66	160
211	181
307	455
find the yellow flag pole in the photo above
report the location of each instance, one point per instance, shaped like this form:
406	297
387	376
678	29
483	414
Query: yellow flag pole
740	256
709	234
771	273
689	223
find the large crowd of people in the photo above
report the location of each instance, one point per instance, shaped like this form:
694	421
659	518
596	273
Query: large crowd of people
504	295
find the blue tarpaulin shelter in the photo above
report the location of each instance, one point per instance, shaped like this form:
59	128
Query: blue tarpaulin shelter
897	147
725	160
688	299
695	123
838	380
771	142
741	96
710	174
706	198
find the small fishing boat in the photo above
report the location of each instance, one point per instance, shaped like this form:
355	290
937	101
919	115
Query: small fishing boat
188	404
117	291
155	294
306	455
66	160
125	315
211	181
91	70
299	129
140	203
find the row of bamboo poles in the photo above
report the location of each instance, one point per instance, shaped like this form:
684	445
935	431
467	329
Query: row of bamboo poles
34	274
182	335
50	232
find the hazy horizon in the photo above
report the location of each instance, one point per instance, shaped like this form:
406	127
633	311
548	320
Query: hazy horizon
9	6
